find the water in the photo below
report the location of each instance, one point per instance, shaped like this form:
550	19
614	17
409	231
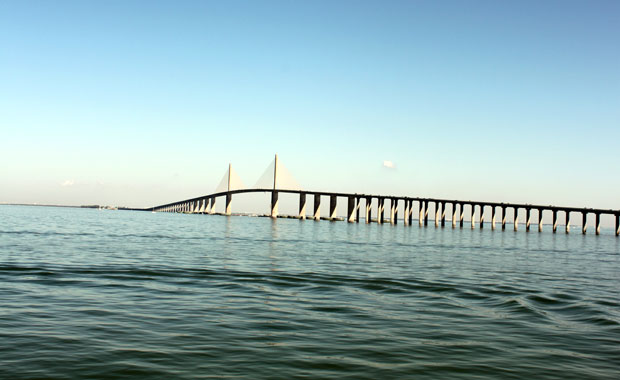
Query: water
111	294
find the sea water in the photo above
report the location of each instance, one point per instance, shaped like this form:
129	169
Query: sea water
112	294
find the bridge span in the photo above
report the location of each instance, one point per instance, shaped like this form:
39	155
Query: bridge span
206	205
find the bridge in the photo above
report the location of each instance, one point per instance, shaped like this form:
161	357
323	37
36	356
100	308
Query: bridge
205	204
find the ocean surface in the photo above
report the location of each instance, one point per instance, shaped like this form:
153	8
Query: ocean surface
116	294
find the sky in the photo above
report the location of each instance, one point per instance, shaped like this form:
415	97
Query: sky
139	103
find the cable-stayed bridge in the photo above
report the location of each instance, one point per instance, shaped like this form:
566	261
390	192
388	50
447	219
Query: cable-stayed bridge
277	179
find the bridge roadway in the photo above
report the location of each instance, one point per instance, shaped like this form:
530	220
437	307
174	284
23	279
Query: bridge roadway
206	204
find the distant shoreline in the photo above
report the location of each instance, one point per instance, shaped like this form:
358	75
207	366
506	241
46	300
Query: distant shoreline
72	206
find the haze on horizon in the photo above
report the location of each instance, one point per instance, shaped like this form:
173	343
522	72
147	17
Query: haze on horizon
140	103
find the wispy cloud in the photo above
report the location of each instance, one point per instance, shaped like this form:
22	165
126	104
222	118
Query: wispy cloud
67	183
389	164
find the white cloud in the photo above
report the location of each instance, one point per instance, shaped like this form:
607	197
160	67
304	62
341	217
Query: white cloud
68	182
389	164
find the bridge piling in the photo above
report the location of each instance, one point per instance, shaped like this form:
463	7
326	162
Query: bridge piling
516	218
462	215
421	213
554	220
598	223
351	209
395	210
211	207
492	217
332	206
617	224
584	222
426	213
567	220
437	206
274	204
527	219
317	207
228	203
393	206
380	210
358	201
406	221
302	206
481	215
453	215
503	217
443	214
540	220
367	214
473	216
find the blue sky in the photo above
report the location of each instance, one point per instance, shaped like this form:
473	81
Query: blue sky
139	103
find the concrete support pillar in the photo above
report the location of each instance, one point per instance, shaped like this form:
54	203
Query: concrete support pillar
437	206
462	215
421	213
443	214
516	218
597	223
527	219
584	222
492	217
503	217
197	206
229	201
351	209
317	207
302	206
473	216
540	220
380	209
426	213
567	220
393	205
368	213
395	211
203	205
481	216
410	216
555	221
274	204
358	202
453	215
406	216
617	224
333	200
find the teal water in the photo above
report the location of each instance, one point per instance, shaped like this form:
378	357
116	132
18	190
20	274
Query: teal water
113	294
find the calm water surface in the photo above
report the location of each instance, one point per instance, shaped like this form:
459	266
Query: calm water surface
113	294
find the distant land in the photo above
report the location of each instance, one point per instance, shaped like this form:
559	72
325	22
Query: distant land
81	206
